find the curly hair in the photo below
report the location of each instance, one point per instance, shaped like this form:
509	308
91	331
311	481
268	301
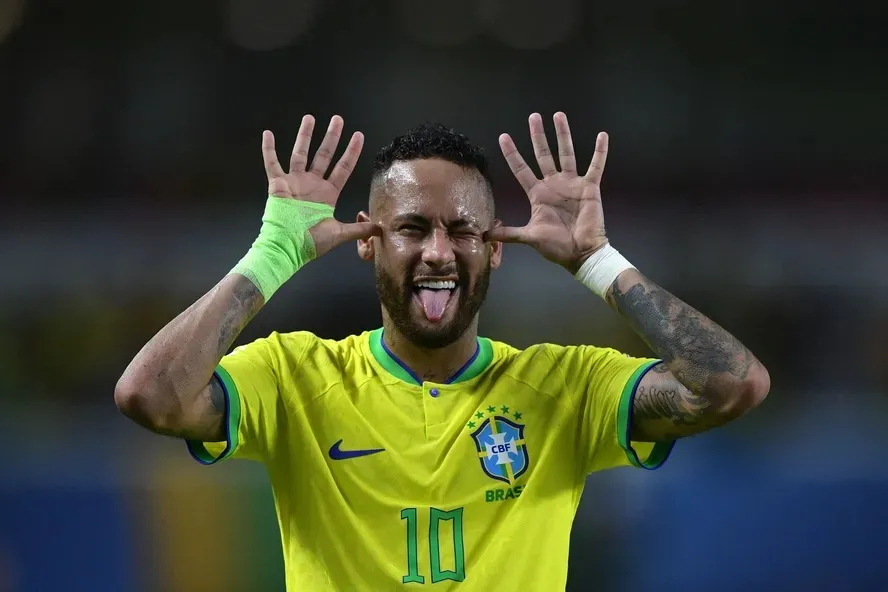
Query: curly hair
434	140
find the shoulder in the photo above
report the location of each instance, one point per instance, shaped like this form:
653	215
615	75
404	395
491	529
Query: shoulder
535	366
307	350
552	367
542	355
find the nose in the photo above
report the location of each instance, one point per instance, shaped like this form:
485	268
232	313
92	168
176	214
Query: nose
437	250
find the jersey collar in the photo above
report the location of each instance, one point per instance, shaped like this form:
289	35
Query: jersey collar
477	364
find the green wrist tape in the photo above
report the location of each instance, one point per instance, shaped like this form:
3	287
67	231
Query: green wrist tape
284	244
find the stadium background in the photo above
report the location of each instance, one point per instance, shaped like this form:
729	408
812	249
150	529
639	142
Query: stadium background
747	174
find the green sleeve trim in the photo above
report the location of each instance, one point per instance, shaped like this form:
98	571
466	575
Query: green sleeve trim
661	450
232	421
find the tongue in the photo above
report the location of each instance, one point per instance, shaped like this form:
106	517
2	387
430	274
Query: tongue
433	303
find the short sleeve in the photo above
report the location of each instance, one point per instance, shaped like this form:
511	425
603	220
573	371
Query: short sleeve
253	414
603	381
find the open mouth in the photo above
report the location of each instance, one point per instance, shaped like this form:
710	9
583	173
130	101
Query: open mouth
435	296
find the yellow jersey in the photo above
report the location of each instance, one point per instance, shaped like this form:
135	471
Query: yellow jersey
385	482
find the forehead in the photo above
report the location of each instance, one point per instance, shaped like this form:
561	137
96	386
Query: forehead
435	189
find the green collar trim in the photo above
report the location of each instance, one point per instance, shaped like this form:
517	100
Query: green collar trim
477	364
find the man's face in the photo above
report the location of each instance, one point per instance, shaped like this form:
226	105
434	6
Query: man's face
432	264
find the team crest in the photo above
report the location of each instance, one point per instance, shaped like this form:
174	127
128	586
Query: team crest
499	441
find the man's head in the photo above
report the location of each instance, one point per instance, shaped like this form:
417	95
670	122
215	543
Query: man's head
432	196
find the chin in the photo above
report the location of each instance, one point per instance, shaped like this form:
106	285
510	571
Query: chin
429	335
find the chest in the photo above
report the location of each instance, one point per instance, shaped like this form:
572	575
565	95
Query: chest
438	444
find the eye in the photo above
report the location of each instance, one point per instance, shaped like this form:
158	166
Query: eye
411	229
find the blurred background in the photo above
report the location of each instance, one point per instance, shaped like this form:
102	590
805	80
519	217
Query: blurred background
746	174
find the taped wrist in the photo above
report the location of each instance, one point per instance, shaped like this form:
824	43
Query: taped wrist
600	270
284	243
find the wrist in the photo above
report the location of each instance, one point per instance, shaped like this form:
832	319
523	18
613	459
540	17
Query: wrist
574	267
601	269
284	243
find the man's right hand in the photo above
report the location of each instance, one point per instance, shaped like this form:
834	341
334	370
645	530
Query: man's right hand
308	183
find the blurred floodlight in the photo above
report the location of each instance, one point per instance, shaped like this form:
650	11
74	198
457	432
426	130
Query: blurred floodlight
263	25
439	23
11	12
531	24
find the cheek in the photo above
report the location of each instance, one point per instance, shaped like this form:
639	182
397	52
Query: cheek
474	254
395	252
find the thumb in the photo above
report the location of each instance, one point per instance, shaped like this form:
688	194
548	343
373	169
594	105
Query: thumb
357	231
331	233
507	234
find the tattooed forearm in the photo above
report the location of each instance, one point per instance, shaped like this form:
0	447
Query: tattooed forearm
169	387
699	352
708	377
243	304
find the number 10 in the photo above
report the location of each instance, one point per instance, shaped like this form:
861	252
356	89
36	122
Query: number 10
436	516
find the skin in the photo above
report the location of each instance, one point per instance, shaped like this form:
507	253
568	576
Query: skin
707	377
169	386
431	218
433	214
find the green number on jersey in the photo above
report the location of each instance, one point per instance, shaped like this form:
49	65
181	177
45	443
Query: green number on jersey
436	516
412	577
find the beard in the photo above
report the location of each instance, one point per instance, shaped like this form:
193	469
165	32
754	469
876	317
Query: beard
397	297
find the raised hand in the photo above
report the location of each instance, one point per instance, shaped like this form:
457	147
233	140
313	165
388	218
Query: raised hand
312	184
566	219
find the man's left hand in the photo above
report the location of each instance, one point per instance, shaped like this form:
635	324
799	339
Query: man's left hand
566	219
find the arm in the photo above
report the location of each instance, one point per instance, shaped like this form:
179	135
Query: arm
169	387
707	376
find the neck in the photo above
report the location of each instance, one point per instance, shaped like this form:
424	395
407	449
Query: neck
433	365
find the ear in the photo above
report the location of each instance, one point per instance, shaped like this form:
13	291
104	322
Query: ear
366	249
496	253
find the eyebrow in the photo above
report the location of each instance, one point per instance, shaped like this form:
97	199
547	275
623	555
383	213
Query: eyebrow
423	221
411	219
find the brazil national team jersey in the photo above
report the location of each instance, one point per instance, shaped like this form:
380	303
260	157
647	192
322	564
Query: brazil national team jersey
385	482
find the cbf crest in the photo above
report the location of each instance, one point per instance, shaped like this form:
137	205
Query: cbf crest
499	441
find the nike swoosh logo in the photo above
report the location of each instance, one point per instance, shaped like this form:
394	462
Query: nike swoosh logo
337	453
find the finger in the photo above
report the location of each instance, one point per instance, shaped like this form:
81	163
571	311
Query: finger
343	169
507	234
596	167
269	155
299	157
566	157
331	233
541	145
516	162
359	231
327	149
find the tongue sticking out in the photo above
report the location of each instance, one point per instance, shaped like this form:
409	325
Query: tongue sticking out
433	303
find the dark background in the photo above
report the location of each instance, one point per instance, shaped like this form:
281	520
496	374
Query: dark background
746	174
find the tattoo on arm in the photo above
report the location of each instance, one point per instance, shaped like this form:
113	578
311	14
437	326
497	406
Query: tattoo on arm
209	424
245	302
664	409
216	395
696	349
704	365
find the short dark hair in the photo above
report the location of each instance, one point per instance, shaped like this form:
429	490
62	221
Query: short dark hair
433	140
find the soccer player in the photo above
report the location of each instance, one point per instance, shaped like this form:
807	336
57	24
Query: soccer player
420	454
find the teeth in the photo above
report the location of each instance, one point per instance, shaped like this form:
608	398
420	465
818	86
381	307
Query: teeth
436	285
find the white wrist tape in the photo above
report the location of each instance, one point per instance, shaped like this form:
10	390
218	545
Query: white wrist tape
601	269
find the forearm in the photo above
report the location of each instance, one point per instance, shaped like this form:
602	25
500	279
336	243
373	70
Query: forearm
701	355
163	385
